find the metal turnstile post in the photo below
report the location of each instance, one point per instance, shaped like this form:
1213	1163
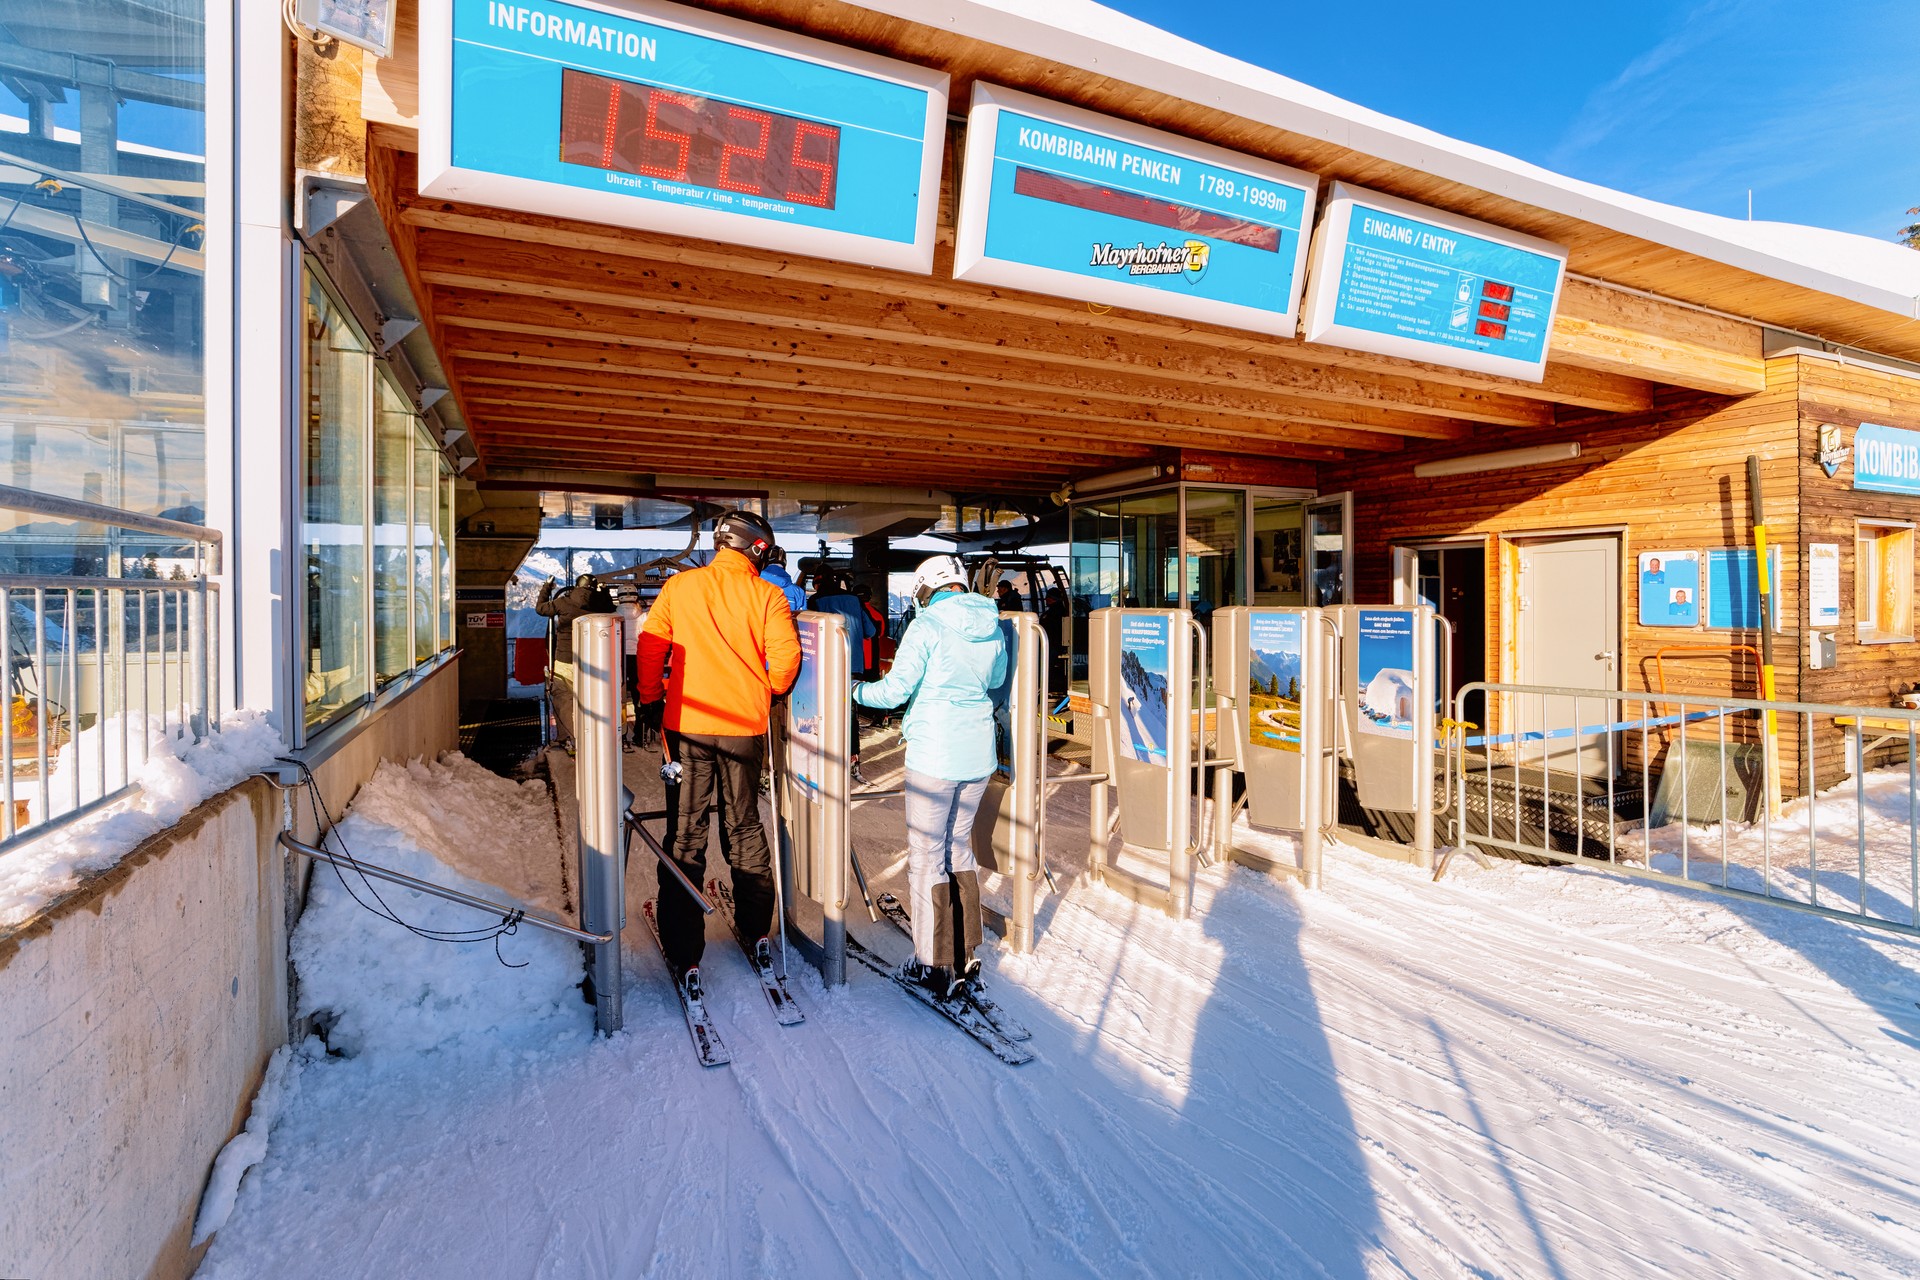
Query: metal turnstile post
598	645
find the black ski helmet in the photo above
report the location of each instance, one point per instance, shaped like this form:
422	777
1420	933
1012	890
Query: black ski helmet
746	532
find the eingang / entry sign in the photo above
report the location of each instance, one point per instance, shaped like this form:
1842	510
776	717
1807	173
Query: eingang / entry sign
1399	279
1067	202
650	115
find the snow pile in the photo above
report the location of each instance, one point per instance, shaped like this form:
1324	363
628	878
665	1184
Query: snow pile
385	991
475	822
1846	846
246	1148
177	775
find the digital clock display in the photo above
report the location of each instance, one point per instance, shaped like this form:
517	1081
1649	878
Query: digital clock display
641	129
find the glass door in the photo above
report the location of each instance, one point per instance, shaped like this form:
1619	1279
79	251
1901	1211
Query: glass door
1329	549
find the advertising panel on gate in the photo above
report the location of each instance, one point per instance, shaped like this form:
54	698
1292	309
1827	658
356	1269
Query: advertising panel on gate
1273	680
1063	201
804	729
1399	279
1144	692
1386	681
650	115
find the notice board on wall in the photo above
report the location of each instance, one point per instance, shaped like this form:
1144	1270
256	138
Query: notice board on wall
1733	588
1669	588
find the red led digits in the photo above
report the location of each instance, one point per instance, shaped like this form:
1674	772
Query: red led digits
682	143
1497	291
627	127
806	131
1488	329
1495	310
757	153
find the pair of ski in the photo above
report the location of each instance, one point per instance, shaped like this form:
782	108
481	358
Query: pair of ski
707	1044
971	1010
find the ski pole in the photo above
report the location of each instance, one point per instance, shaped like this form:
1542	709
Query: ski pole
779	844
861	877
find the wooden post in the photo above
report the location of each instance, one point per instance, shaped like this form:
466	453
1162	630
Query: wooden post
1766	633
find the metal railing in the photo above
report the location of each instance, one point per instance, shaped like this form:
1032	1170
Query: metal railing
1675	787
102	669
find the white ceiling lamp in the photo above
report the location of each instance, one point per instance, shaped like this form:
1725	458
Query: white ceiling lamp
1503	460
1109	482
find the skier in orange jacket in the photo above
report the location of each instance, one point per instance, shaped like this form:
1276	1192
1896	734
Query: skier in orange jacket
733	646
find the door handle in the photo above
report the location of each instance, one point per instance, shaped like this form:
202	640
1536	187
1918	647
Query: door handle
1605	655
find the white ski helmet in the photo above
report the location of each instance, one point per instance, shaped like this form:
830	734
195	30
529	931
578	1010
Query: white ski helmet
934	573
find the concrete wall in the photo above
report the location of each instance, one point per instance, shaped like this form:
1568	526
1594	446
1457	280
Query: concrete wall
137	1014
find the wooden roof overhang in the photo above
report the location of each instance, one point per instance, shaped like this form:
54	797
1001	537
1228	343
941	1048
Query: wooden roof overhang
588	348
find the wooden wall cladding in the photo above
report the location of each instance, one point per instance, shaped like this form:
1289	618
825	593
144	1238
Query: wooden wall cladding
1673	478
1846	395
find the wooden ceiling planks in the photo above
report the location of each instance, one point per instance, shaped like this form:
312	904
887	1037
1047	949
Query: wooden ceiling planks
390	96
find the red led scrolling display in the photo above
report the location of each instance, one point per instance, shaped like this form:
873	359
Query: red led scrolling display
706	142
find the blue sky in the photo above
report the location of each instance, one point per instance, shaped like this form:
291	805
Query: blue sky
1814	104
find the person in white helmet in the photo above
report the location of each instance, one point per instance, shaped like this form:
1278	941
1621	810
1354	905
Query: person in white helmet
945	670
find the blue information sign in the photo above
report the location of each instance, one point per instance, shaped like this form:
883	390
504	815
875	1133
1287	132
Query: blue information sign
651	115
1396	279
1733	589
1063	201
1886	459
1670	589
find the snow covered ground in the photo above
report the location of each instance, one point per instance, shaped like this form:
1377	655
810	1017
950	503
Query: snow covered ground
1517	1072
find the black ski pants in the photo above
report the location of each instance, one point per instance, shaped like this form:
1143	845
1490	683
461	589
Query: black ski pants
722	772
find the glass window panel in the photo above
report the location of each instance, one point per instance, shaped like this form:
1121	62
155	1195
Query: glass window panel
426	555
1277	569
102	298
446	554
334	533
1216	522
393	433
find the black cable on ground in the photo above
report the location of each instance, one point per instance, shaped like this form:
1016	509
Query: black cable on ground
323	823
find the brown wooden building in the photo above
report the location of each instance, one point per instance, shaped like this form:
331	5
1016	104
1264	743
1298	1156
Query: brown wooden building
592	357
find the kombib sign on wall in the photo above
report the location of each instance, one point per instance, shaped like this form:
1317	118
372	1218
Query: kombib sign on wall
664	118
1078	205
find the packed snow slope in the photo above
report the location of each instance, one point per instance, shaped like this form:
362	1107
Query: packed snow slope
1517	1072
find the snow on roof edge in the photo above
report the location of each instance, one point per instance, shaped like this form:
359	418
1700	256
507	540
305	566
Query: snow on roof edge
1091	36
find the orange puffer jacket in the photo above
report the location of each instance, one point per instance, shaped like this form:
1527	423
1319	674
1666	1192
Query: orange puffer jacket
733	644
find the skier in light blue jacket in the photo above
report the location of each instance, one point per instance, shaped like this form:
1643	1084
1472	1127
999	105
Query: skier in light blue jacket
945	669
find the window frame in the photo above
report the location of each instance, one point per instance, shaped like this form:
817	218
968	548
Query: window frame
1873	579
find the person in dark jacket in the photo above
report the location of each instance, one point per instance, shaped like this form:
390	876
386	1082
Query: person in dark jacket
586	595
836	596
874	642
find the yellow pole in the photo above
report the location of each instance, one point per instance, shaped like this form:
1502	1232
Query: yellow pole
1767	690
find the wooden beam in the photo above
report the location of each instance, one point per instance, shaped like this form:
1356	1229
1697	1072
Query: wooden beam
592	245
1614	331
772	470
878	317
589	424
635	367
977	427
623	326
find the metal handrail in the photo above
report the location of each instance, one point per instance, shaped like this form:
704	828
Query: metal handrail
46	504
1695	708
365	868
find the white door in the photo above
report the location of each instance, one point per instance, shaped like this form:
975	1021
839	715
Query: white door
1570	638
